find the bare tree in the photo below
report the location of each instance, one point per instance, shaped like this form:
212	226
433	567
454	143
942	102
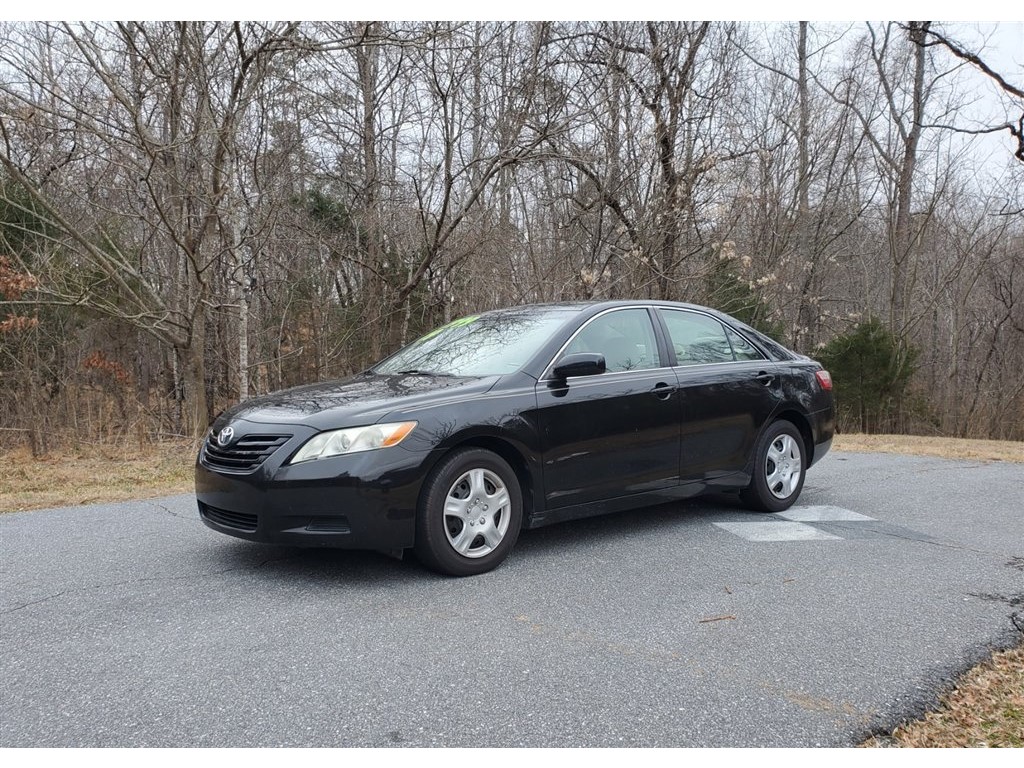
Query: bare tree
205	210
935	37
163	106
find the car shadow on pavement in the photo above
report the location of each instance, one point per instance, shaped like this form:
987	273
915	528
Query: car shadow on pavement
359	567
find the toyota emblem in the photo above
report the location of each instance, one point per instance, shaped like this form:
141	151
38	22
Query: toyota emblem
225	436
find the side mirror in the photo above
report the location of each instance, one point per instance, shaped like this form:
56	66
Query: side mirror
579	364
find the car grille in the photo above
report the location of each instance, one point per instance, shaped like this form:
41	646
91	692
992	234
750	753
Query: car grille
242	456
241	521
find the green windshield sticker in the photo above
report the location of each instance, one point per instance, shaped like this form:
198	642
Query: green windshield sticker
453	324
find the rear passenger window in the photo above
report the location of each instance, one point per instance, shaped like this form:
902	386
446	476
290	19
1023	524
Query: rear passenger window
697	339
741	348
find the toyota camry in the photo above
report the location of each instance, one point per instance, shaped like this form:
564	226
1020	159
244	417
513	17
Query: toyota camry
519	418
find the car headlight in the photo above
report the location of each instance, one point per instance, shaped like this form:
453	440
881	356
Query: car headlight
338	442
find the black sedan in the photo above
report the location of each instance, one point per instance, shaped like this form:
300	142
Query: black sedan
519	418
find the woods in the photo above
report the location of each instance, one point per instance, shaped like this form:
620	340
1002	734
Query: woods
194	213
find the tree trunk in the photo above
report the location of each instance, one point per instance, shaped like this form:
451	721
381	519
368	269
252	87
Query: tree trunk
367	64
902	238
807	316
199	412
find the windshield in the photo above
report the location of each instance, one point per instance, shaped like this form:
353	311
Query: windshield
478	345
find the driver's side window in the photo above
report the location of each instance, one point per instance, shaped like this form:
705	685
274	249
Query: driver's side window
624	336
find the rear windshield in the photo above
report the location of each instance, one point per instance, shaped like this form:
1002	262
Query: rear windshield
479	345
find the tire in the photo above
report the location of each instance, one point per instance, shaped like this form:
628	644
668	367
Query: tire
470	513
779	469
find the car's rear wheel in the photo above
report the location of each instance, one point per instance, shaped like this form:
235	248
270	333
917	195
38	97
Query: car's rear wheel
470	513
779	469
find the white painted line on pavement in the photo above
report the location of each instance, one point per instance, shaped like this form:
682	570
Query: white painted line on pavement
776	530
821	514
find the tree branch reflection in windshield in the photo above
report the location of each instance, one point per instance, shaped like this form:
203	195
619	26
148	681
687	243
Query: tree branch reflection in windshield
482	345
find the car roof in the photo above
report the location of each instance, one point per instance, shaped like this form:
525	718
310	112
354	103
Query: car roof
580	306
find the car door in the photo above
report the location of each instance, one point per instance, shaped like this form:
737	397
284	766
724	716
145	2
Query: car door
616	433
727	390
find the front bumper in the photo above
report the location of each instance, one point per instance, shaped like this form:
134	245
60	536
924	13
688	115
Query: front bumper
361	501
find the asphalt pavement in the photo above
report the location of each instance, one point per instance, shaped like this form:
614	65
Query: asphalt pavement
687	625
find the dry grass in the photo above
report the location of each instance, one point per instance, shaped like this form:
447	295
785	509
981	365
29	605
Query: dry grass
985	710
94	474
943	447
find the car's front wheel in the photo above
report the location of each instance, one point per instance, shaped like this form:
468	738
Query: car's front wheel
779	469
470	512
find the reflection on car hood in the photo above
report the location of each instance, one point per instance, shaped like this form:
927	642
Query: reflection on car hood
363	398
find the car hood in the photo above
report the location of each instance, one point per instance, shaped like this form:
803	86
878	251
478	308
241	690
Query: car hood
361	399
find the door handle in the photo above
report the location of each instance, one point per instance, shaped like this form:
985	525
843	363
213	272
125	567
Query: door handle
663	391
766	378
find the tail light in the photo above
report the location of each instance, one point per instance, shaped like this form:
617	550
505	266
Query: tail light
824	379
